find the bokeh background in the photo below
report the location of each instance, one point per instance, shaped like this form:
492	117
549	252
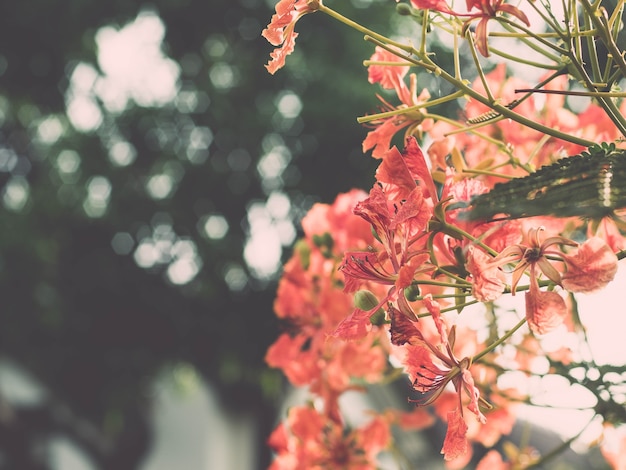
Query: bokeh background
152	178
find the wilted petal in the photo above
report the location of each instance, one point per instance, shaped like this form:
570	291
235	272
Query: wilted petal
281	30
355	326
488	280
402	330
545	310
387	75
279	54
455	444
474	395
591	267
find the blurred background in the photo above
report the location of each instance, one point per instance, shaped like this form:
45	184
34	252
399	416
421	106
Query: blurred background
152	178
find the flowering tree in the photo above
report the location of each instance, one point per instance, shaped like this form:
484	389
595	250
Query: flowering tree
517	194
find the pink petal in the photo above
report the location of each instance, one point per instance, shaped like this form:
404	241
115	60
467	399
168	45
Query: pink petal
455	444
591	267
545	310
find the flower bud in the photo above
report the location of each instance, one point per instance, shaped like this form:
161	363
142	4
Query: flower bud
303	251
412	292
403	9
365	300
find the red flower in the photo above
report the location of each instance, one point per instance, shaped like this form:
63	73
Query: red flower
433	367
280	31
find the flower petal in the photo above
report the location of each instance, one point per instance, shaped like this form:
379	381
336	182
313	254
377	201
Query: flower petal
545	310
455	443
591	267
488	280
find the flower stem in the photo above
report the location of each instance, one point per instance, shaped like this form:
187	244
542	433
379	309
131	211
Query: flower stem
499	341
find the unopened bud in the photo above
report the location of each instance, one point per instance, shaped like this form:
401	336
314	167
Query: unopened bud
365	300
303	251
325	243
378	317
412	292
403	9
314	5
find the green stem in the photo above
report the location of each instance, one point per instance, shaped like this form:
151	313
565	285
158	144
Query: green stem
529	34
600	22
489	173
499	341
520	60
472	129
399	111
429	65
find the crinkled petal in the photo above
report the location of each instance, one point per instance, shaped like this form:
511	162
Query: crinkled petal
591	267
355	326
545	310
387	75
473	394
455	444
488	281
279	55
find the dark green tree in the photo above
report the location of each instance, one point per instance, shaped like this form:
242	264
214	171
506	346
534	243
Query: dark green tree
95	220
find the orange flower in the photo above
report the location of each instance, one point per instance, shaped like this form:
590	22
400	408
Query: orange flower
280	31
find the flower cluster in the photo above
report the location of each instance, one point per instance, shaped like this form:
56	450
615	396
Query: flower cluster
382	282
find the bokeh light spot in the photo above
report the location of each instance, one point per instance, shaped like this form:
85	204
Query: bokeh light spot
235	277
122	153
49	130
84	113
289	105
16	193
98	193
160	186
215	227
134	65
122	243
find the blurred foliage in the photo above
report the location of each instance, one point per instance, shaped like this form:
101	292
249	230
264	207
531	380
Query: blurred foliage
81	311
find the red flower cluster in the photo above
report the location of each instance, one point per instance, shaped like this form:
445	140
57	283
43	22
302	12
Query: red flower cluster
375	287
